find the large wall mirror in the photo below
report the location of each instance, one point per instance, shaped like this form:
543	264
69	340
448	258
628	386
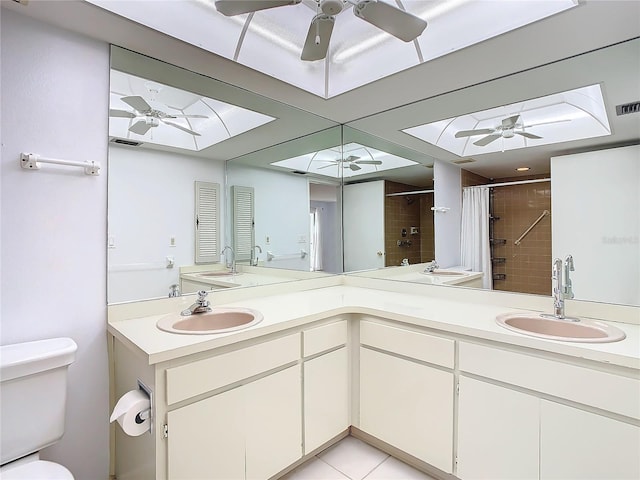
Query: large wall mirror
168	129
579	196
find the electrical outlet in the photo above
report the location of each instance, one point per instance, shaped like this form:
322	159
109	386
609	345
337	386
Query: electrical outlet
302	239
172	241
111	241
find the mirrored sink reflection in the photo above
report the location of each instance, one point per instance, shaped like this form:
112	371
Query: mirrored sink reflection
218	320
446	273
583	330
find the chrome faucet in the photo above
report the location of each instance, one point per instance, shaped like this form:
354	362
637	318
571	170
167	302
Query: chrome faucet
562	291
254	261
431	266
232	264
201	305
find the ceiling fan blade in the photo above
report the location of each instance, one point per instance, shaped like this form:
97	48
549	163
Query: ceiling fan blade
318	38
354	167
137	102
180	127
471	133
121	113
230	8
510	122
487	140
528	135
397	22
141	127
368	162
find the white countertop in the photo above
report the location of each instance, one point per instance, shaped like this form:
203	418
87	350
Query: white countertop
289	310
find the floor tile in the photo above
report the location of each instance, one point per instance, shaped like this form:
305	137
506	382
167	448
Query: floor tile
394	469
315	469
353	457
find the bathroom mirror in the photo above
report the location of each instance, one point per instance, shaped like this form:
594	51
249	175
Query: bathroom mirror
168	128
615	70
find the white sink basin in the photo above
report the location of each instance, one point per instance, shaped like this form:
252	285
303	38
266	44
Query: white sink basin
446	273
218	274
219	320
583	330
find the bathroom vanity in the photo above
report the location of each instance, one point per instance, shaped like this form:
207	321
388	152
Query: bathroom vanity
425	374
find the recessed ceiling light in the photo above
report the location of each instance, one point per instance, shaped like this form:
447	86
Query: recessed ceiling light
523	169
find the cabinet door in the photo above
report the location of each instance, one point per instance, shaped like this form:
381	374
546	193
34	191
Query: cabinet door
206	439
580	445
408	405
273	409
497	432
326	398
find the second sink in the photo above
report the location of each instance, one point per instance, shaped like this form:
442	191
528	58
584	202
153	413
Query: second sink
218	320
587	331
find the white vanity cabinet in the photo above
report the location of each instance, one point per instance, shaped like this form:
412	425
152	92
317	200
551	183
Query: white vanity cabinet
407	391
326	384
529	417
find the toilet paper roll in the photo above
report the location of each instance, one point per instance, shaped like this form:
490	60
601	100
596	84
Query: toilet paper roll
132	413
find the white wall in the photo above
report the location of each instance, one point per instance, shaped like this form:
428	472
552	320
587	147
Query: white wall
281	213
55	88
448	193
151	199
595	214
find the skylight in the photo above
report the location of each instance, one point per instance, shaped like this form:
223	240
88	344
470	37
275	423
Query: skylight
271	41
151	112
346	161
561	117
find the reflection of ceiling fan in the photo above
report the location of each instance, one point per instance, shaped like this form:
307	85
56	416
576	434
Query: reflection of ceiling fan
507	129
351	162
149	116
393	20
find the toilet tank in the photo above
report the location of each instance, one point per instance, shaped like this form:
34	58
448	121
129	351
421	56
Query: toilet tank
33	393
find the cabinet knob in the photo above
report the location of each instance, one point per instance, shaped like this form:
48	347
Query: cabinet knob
380	253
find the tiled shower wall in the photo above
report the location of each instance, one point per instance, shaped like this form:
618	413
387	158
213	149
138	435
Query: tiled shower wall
403	212
527	267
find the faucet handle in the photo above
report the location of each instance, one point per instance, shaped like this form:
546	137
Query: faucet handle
202	295
569	263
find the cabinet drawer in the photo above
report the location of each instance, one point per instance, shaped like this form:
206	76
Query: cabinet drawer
205	375
428	348
323	338
614	393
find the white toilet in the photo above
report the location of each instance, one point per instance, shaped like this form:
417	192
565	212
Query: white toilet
33	394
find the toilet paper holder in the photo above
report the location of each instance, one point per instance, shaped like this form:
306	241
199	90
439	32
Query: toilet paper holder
142	416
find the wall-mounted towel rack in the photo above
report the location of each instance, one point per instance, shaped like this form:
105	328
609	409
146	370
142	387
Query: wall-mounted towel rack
271	256
535	222
32	161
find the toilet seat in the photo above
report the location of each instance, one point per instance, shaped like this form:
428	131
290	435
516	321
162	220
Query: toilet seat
36	470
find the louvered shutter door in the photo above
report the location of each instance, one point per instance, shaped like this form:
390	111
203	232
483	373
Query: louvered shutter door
243	225
207	222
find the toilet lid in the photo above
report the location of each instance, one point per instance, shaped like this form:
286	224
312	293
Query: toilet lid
38	470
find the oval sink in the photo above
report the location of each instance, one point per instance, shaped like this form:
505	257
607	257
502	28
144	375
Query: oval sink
219	320
583	330
446	273
218	274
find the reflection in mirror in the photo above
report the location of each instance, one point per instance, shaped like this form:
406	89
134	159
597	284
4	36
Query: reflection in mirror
564	166
171	130
296	185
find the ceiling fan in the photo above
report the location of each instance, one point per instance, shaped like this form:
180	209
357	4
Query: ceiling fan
509	127
351	162
393	20
149	116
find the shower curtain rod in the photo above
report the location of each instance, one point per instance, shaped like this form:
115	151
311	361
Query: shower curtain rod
504	184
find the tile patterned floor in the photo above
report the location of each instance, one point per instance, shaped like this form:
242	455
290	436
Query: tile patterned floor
352	459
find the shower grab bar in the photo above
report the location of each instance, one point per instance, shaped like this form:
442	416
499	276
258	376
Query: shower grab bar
526	232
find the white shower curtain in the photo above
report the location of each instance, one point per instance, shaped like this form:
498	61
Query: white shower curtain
476	252
316	240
